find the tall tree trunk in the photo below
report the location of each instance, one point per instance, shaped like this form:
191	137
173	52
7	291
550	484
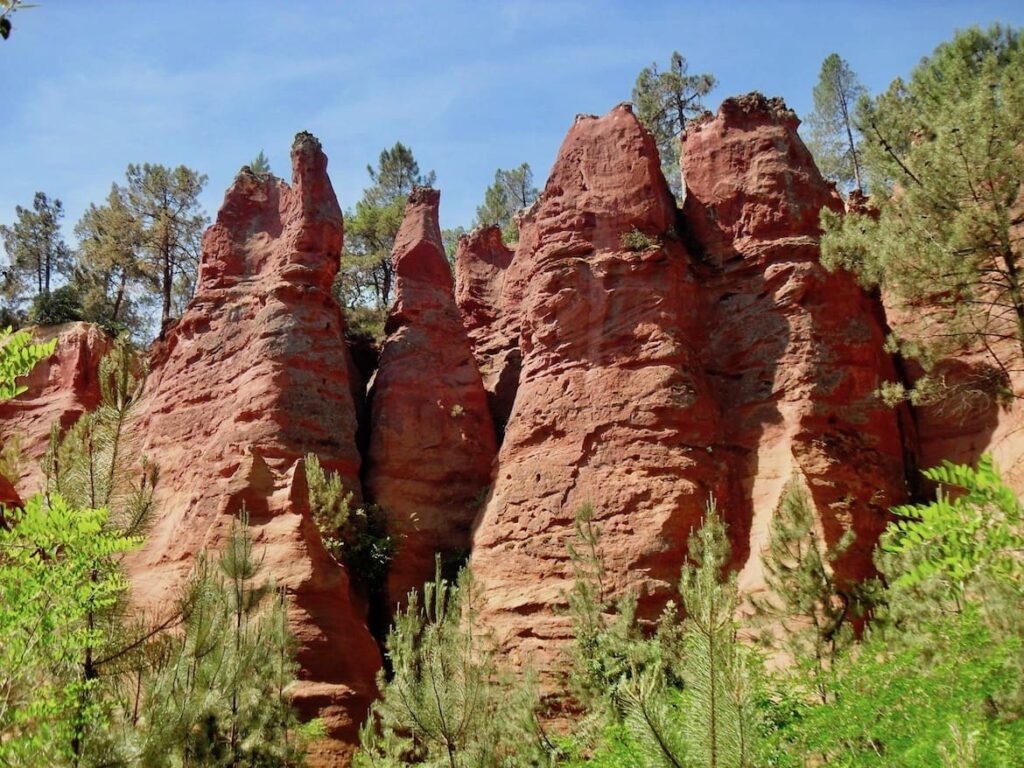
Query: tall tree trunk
119	298
165	250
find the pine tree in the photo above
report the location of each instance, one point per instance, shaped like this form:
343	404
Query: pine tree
511	192
260	165
942	151
95	465
447	702
364	282
59	572
808	610
36	252
109	273
835	138
219	693
665	102
164	205
709	719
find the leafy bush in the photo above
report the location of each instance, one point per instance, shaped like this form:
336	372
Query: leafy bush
356	536
62	305
638	241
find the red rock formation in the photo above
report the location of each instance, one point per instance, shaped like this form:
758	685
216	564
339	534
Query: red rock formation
255	375
795	352
432	440
612	407
8	495
60	389
481	262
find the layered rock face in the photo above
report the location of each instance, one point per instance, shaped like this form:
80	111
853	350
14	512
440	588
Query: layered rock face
60	389
432	440
794	352
612	407
481	261
254	376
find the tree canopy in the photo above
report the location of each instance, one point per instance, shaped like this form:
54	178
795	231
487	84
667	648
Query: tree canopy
943	154
834	135
665	102
365	279
511	192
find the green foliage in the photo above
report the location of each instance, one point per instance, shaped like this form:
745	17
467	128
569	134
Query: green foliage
942	152
219	693
18	356
61	305
808	611
683	696
511	192
447	702
638	241
109	272
164	206
834	137
939	677
665	102
364	281
910	705
96	463
355	536
450	239
610	650
58	570
36	251
260	165
975	531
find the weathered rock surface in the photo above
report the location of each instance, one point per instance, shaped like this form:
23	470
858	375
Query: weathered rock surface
60	389
432	440
481	261
794	352
9	496
612	407
254	376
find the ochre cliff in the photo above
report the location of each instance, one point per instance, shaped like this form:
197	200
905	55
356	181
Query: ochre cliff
255	375
431	436
59	390
625	353
481	261
612	407
795	352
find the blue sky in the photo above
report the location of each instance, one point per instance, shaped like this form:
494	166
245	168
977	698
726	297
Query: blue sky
92	85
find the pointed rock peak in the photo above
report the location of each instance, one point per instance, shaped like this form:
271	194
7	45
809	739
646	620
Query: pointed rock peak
748	174
484	244
311	183
755	108
419	251
609	166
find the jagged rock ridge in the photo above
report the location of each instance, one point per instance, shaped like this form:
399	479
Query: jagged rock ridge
255	375
636	358
432	440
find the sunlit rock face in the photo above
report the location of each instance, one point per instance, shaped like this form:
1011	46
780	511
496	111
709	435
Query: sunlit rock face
612	406
432	441
794	352
254	376
58	391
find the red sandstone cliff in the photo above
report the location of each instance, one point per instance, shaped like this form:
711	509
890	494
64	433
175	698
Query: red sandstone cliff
481	261
432	440
643	357
794	352
612	406
60	389
255	375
